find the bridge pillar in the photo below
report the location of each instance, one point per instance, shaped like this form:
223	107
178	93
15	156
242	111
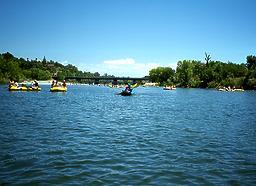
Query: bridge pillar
114	82
96	81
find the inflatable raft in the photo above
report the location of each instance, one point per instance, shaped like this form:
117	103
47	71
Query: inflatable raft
15	88
34	89
58	89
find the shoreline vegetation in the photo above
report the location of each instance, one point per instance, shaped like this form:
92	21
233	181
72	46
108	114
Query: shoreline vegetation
189	73
20	69
211	74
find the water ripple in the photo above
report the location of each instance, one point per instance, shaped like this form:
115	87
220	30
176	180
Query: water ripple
91	136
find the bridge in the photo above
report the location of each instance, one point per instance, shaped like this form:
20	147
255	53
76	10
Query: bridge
113	79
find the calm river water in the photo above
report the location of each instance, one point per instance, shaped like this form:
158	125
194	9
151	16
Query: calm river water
91	136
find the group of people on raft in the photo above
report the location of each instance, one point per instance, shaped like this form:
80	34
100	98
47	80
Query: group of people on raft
33	84
14	85
55	83
229	88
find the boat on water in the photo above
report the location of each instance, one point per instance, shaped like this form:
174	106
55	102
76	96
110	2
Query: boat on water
232	90
229	89
169	88
34	89
125	93
58	89
14	88
239	89
23	88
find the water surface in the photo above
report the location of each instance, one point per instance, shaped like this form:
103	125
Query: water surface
91	136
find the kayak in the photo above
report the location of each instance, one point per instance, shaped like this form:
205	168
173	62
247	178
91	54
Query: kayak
125	93
58	89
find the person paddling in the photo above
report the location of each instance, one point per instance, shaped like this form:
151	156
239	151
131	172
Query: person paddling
128	88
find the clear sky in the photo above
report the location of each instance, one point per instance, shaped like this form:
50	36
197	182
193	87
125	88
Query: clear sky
128	37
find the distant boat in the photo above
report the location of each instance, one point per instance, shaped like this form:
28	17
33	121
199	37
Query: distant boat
231	90
169	88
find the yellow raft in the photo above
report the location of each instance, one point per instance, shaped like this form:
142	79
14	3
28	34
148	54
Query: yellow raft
58	89
15	88
34	89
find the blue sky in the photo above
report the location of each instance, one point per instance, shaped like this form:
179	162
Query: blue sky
128	37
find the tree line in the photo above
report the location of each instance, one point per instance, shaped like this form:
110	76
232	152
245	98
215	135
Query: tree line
211	74
188	73
19	69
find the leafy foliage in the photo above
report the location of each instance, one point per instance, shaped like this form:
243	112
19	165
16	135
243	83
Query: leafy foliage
191	73
162	74
12	68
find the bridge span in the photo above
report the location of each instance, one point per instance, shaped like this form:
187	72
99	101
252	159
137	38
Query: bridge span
113	79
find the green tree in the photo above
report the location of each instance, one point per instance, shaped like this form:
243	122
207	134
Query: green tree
162	74
188	73
251	62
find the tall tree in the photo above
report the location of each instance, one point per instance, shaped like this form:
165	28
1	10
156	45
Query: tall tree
207	59
250	61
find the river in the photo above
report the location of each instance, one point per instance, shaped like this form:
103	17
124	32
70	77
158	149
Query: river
91	136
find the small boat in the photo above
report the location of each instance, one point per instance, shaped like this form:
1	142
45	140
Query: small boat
125	93
34	89
169	88
222	89
231	90
58	89
24	88
14	88
239	89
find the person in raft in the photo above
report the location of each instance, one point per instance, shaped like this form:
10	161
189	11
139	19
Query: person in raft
54	83
11	82
35	84
64	83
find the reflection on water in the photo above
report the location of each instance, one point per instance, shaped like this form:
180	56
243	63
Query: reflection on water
90	135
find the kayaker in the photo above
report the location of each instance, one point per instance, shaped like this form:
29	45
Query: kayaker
128	88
